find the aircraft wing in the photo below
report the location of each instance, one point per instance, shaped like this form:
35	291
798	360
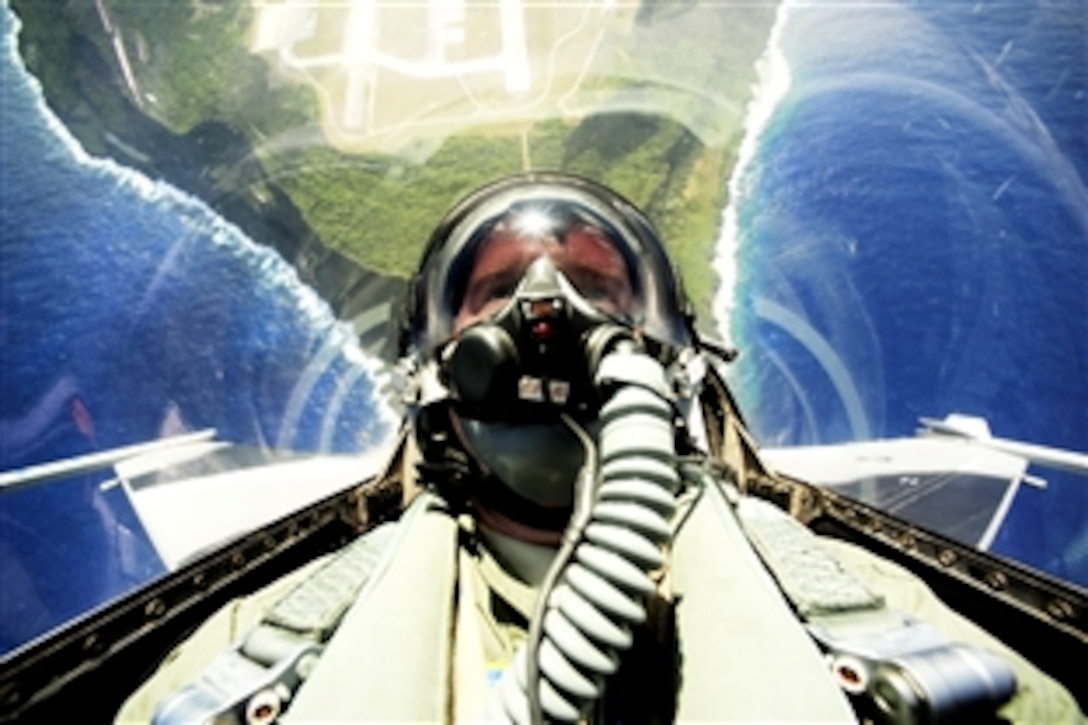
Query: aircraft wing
145	510
945	480
198	496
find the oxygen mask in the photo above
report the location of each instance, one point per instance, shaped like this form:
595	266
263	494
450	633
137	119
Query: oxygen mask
538	313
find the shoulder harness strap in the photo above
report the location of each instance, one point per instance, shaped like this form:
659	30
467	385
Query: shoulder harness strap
885	660
253	681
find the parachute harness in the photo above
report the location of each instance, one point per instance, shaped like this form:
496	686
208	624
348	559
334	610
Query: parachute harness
601	578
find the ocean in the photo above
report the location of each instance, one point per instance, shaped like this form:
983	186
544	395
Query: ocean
910	234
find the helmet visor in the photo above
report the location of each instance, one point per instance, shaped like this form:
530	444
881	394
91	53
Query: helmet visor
603	247
588	252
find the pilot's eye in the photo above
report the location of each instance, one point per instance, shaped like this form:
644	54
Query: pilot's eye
490	289
597	290
498	289
604	292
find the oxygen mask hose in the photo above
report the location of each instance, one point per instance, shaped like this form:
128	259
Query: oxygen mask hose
600	581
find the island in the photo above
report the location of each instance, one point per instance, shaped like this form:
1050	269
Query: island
339	134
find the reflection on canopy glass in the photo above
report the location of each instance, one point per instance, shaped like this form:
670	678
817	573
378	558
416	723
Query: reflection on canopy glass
210	210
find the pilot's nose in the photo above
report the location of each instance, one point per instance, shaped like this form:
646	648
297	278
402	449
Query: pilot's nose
542	277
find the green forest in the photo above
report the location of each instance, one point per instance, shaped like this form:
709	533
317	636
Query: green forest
193	66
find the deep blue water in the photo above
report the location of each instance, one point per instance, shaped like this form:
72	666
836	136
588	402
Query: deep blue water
914	240
130	311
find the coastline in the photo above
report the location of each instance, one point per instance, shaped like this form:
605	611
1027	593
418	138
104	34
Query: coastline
340	219
773	74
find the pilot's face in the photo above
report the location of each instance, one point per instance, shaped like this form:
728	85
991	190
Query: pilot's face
582	253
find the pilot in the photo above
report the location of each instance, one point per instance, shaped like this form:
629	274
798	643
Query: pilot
573	543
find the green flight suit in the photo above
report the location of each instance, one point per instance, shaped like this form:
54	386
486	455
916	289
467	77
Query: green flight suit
455	617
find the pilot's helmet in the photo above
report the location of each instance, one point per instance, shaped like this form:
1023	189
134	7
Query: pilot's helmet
602	244
565	238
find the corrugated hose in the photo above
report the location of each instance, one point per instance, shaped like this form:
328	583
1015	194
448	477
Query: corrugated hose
600	580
